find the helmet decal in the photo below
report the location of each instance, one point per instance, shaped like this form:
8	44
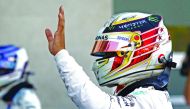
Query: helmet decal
131	44
142	24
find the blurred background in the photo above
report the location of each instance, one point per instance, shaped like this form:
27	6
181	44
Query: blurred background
22	22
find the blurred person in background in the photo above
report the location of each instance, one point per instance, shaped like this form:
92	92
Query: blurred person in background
133	53
15	89
185	71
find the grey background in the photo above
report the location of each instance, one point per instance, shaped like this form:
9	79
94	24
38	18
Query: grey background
22	22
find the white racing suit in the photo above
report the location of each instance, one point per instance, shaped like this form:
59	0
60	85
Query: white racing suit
86	95
20	95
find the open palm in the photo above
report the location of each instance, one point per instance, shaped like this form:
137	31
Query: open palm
57	42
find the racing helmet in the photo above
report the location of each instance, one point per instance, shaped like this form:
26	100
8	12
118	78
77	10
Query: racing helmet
13	62
129	47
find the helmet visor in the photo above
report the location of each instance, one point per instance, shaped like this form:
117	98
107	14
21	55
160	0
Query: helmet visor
102	46
5	71
7	66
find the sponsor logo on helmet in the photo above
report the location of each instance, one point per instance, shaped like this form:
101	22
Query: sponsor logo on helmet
122	38
153	18
101	37
132	25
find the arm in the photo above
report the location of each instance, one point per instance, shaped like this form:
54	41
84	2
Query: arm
81	90
84	93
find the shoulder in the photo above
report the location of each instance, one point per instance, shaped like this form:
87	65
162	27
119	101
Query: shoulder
27	98
25	94
143	98
150	93
150	97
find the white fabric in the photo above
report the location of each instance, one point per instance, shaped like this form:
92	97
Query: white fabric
25	99
86	95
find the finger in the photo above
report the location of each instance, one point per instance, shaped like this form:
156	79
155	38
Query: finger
49	35
61	20
61	10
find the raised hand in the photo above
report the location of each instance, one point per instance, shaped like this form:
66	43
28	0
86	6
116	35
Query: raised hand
57	42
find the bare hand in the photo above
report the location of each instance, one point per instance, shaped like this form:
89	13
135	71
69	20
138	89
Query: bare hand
57	42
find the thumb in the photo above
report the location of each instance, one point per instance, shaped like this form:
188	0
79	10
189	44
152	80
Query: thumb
49	35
